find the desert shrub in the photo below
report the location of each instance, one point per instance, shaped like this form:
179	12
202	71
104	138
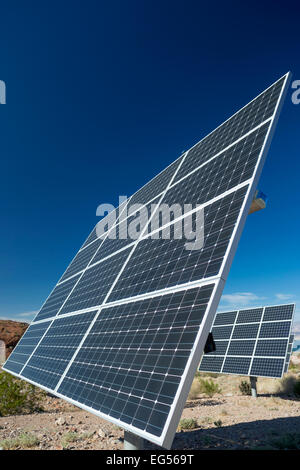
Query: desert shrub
293	367
297	388
195	390
287	384
17	396
245	387
187	423
218	423
209	387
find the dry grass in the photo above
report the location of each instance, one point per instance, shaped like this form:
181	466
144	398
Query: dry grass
70	437
23	441
206	420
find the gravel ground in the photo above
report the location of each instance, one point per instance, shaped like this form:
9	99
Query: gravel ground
224	422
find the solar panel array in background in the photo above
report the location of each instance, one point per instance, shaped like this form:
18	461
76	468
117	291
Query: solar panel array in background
255	342
121	333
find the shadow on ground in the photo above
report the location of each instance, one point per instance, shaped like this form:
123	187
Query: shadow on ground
280	433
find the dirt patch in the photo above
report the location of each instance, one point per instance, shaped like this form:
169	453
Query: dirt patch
224	422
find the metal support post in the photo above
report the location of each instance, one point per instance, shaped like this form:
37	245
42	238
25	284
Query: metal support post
132	441
253	381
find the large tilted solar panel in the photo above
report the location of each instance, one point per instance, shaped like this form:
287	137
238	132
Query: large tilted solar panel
255	342
122	333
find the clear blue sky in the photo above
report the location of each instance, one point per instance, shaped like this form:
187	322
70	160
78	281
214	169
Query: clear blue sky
101	96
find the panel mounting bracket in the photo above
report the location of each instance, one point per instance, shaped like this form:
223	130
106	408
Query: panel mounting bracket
259	202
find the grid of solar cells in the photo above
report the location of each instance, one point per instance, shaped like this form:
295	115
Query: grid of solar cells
238	125
24	348
126	232
251	315
211	363
56	299
108	219
232	167
279	312
132	360
267	367
103	282
82	259
94	284
271	347
156	264
226	318
56	348
236	365
221	348
253	337
275	330
241	348
157	185
221	332
245	331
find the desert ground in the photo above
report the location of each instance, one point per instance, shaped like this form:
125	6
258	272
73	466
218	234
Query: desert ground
226	420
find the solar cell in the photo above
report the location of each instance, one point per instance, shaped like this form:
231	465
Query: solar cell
122	338
254	338
227	318
236	365
279	312
267	367
249	315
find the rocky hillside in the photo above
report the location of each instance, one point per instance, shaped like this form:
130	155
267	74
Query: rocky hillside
11	332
